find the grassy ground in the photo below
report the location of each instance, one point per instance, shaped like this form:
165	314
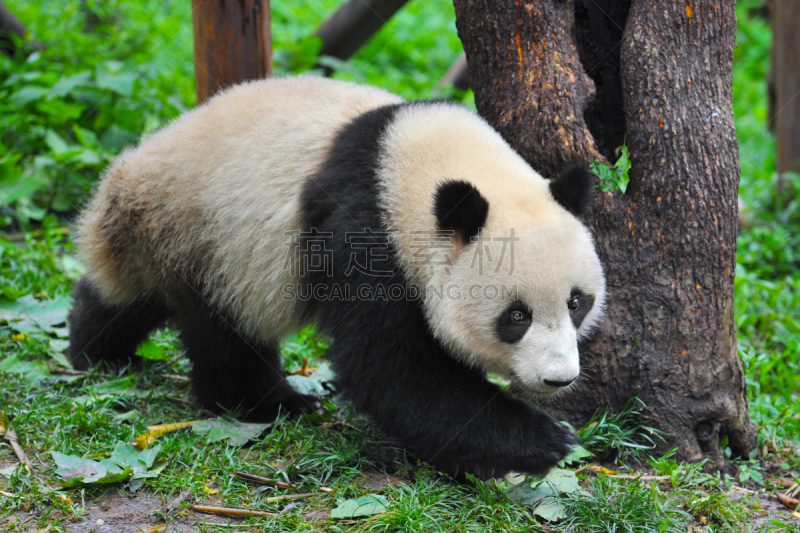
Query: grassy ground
111	71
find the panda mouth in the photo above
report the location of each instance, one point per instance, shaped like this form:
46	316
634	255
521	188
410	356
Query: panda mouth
544	394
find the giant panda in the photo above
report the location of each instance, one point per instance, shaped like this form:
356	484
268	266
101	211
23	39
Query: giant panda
409	232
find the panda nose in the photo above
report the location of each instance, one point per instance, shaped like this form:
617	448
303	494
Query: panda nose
558	383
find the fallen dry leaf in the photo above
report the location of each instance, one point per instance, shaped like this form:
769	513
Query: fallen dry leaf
229	511
317	514
263	480
153	432
376	481
785	483
791	503
305	370
604	470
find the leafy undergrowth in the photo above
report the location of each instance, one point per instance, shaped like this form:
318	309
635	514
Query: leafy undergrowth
110	72
76	430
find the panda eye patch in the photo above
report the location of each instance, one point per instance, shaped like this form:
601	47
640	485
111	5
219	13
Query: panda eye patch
513	323
579	305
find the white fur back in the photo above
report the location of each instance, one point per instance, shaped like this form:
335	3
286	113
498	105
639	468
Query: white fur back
220	186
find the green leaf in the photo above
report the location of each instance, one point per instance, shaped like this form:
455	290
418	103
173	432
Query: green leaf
110	76
363	506
116	386
64	86
616	177
621	167
562	481
125	463
57	349
550	510
56	143
78	471
29	314
87	156
27	95
9	470
87	138
30	372
307	385
313	384
526	494
139	461
237	433
115	139
578	452
150	350
128	416
108	389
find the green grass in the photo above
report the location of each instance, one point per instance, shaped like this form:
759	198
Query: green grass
68	109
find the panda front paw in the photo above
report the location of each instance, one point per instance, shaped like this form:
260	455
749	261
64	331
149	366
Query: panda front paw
301	404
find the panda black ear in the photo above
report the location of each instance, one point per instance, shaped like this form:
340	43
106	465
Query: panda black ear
459	206
573	188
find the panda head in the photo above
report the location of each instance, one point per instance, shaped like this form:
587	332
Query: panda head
517	282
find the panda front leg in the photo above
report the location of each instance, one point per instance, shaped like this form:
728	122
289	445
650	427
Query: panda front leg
445	412
233	373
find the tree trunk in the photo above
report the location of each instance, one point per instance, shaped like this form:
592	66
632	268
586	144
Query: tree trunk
786	69
353	24
568	81
232	43
9	25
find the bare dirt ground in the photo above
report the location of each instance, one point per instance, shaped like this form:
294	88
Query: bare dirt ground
121	512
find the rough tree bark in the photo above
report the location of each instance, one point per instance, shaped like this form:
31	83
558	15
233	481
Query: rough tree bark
9	25
566	81
786	69
232	43
353	24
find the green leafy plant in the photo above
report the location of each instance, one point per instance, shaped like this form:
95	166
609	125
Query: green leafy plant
718	509
620	435
616	177
631	506
680	474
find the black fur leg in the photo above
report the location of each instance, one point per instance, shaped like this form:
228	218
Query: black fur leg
231	373
108	335
446	413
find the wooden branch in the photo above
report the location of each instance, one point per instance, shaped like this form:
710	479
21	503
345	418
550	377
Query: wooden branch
244	513
353	24
174	504
164	366
660	479
786	56
457	75
18	237
67	372
11	436
232	43
9	25
263	481
789	502
274	499
174	377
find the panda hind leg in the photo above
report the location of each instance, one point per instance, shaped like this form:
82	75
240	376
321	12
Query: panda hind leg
234	374
105	335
